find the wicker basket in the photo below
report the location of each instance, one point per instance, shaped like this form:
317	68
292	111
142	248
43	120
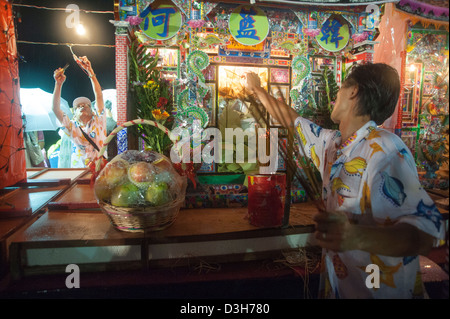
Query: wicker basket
147	218
142	219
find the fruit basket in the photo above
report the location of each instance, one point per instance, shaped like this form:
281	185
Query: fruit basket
139	191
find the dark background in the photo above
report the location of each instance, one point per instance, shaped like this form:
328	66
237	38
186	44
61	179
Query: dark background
38	61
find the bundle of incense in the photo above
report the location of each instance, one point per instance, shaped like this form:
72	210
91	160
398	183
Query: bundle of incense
64	68
300	165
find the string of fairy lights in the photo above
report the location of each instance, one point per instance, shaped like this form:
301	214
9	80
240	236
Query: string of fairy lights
58	9
69	44
9	127
66	10
10	63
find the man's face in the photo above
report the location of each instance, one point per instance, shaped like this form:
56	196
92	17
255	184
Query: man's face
343	105
83	111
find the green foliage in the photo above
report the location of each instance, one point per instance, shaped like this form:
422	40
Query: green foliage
320	111
331	89
151	95
328	97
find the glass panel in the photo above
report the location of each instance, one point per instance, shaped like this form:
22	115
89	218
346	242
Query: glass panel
231	83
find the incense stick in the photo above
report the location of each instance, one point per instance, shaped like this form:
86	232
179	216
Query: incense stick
302	168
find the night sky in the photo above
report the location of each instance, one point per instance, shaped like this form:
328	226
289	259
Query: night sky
39	61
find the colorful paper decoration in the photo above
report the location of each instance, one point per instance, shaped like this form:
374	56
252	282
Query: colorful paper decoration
248	25
196	62
312	20
373	16
290	43
301	70
183	5
161	23
196	19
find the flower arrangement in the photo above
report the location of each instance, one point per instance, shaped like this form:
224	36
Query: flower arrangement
152	97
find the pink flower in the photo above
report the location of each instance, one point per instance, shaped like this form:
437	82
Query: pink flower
359	37
134	20
311	32
194	24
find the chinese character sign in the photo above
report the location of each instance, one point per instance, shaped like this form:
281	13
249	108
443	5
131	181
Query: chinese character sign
334	35
248	25
161	23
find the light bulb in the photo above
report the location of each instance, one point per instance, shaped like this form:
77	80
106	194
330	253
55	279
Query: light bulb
80	29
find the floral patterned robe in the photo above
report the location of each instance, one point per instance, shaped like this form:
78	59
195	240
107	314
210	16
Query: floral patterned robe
83	151
373	178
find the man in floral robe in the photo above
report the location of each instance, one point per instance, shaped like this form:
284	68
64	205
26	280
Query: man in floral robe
85	119
377	218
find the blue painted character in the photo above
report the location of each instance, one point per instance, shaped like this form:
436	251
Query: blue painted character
246	25
330	29
161	17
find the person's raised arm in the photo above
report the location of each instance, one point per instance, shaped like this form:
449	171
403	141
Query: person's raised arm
86	64
60	77
282	112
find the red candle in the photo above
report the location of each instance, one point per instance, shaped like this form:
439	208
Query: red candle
266	195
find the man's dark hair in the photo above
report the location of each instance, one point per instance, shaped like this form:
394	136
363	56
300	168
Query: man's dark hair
378	90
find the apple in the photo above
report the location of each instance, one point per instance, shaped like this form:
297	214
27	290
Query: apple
114	172
102	189
126	195
141	174
158	193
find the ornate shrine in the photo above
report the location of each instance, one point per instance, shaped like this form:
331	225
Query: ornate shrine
301	53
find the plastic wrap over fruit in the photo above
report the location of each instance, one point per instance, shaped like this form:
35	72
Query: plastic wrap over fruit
139	178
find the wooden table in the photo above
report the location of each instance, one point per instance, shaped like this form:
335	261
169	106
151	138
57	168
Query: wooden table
204	249
85	237
72	229
203	245
23	203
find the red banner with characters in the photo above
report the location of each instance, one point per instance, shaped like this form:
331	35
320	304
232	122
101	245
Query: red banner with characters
12	153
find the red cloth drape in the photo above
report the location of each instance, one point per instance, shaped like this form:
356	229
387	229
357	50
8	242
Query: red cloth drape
392	42
12	154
